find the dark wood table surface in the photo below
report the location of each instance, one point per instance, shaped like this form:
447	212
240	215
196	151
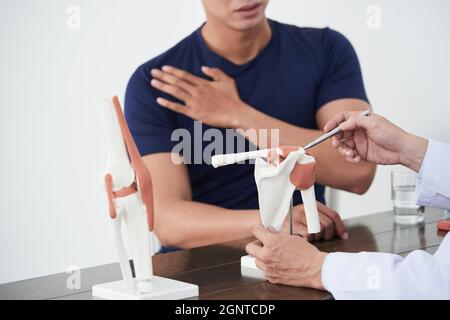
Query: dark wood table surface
216	269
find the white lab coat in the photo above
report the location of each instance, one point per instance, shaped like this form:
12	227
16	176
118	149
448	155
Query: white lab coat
373	275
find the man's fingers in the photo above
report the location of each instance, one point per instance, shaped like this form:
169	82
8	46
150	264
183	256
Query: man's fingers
173	80
299	226
264	235
184	75
318	236
339	226
215	73
173	106
170	89
328	227
327	224
301	230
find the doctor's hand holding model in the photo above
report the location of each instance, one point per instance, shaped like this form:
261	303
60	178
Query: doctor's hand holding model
291	260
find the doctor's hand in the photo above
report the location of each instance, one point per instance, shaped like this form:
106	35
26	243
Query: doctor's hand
375	139
285	259
331	224
215	103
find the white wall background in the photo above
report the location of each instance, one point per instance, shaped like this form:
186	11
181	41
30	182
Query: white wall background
52	211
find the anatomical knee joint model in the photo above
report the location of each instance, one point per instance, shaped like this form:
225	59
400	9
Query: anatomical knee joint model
128	186
276	182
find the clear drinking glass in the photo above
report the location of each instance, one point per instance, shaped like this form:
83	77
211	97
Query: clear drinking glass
406	210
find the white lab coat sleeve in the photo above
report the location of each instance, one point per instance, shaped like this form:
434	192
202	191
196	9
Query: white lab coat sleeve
371	275
433	186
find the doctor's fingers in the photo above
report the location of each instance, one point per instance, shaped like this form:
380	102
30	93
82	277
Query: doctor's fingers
342	137
257	251
264	235
266	268
339	226
348	151
358	121
347	148
337	120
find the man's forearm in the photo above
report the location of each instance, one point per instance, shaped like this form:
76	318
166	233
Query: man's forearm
189	224
251	119
332	171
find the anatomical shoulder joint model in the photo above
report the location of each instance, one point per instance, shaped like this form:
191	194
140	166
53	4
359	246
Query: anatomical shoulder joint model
128	186
276	182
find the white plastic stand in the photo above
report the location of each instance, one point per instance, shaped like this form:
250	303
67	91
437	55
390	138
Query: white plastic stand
159	289
249	268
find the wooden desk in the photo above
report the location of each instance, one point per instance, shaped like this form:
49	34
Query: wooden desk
216	269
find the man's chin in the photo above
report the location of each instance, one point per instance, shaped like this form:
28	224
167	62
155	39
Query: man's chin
247	24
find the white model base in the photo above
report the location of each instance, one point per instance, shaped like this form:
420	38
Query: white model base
249	268
162	289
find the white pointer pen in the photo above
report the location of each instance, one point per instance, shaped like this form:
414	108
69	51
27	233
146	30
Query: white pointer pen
232	158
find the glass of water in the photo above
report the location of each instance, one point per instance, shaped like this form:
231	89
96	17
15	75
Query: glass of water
406	210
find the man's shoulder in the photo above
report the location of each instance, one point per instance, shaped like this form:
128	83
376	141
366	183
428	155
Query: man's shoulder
312	35
174	56
177	56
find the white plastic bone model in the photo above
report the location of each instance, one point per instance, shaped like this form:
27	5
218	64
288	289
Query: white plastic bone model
275	190
129	188
276	183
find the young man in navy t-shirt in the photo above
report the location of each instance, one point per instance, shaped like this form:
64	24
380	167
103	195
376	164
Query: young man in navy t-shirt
242	71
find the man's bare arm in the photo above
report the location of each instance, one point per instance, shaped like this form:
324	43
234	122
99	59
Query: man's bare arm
183	223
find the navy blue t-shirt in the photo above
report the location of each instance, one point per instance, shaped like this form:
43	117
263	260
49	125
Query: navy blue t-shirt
300	70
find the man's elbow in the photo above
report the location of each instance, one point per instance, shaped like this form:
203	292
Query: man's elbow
362	178
171	234
168	237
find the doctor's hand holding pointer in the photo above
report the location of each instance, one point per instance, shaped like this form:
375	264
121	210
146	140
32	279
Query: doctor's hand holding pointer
377	140
291	260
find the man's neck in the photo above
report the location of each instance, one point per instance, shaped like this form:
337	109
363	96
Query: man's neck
236	46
